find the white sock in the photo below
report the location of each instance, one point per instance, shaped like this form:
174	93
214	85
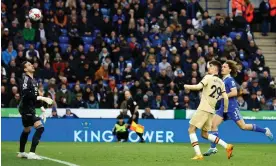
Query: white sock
194	142
213	138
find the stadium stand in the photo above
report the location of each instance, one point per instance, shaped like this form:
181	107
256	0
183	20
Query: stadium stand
86	53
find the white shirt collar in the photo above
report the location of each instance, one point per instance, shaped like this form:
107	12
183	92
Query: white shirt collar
226	76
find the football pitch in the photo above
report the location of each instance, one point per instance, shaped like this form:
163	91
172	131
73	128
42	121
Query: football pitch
135	154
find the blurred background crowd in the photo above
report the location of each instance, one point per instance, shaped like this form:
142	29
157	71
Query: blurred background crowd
87	52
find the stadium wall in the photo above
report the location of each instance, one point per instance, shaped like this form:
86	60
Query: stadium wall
100	130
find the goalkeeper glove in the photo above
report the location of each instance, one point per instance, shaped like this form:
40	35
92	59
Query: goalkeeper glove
45	99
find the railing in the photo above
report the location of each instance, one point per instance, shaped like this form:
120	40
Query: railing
211	8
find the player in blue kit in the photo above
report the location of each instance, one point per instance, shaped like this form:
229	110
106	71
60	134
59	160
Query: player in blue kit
229	68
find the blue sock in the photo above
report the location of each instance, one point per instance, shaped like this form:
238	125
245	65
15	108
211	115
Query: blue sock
258	129
213	145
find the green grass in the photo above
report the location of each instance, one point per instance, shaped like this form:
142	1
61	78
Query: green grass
134	154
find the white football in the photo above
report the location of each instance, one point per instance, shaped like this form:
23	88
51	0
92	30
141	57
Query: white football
35	14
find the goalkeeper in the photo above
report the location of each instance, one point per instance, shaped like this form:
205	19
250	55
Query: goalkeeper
29	93
121	130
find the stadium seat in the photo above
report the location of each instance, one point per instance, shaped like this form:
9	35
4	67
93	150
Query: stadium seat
37	45
63	39
105	12
87	40
86	47
63	32
27	45
63	47
50	44
96	31
232	35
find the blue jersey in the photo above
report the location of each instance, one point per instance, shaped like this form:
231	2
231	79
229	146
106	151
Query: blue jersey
230	84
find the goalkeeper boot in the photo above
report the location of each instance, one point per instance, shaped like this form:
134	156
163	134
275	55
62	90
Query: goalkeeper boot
229	150
198	157
33	156
269	134
22	155
210	152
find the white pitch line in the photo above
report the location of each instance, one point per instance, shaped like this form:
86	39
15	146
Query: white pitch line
59	161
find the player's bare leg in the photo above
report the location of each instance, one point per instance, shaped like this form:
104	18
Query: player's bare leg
217	140
194	142
217	120
23	140
39	130
253	127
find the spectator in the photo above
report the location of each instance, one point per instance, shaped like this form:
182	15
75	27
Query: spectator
6	38
92	103
187	103
253	103
18	39
102	73
242	103
69	114
32	54
164	64
158	103
144	103
124	114
265	81
9	54
78	103
60	19
54	113
175	103
4	97
147	114
264	10
263	104
273	105
63	96
28	32
14	102
193	8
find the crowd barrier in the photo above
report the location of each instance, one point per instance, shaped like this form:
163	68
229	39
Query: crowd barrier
100	130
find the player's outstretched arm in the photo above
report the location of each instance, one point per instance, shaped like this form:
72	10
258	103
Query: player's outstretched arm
194	87
45	99
226	101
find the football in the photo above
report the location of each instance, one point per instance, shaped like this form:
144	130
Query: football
35	14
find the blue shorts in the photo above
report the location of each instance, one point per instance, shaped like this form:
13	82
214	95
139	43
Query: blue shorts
233	114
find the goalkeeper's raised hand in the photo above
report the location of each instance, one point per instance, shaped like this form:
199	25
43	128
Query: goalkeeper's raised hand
45	99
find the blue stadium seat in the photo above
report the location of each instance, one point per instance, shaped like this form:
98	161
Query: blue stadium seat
37	45
63	47
63	32
96	31
87	40
63	39
86	47
27	45
232	35
50	44
105	12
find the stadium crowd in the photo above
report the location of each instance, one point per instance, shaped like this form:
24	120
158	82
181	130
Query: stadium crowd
87	52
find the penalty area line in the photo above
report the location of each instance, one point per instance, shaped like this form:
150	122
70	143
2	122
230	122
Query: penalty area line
59	161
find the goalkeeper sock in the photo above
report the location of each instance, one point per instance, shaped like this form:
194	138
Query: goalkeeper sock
258	129
36	138
23	140
194	142
217	140
213	145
